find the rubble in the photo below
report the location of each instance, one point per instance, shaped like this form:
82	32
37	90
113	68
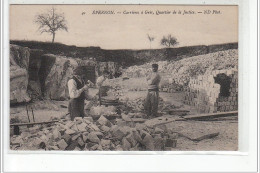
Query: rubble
83	134
179	72
62	144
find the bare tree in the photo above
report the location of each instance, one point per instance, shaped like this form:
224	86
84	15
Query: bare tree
51	22
169	41
151	39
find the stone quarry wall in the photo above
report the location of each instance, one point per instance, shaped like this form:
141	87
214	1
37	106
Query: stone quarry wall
216	91
19	63
125	58
36	75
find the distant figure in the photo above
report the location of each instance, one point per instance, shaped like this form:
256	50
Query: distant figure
77	93
102	78
152	99
99	83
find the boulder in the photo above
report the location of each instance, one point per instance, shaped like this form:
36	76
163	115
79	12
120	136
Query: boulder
19	63
58	76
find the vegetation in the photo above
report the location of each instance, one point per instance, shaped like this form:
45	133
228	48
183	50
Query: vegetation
169	41
51	22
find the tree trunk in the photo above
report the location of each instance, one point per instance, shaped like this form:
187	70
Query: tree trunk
53	37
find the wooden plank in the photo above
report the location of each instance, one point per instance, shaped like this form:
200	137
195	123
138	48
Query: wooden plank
200	138
24	124
210	115
168	119
161	120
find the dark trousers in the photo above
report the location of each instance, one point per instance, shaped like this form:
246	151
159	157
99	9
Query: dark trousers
151	103
76	108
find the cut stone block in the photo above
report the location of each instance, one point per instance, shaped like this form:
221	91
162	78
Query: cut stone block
75	137
88	120
105	128
82	127
103	121
125	144
131	139
81	142
67	138
93	137
72	146
105	142
62	144
56	134
70	132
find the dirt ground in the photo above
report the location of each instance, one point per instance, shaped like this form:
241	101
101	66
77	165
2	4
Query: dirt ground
227	128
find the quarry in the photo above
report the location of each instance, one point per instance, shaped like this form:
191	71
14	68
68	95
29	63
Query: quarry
198	107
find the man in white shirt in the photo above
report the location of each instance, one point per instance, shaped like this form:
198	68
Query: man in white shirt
77	93
152	99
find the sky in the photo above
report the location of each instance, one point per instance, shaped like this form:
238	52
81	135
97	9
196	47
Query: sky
214	25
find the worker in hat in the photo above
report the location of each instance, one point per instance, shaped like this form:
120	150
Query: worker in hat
152	98
77	92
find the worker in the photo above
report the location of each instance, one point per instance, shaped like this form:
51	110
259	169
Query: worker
99	84
77	92
152	98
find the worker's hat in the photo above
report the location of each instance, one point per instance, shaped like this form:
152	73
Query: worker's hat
155	65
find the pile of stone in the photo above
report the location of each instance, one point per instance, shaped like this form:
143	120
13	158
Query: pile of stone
171	87
181	71
208	96
89	135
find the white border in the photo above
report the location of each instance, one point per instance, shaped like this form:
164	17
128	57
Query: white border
242	161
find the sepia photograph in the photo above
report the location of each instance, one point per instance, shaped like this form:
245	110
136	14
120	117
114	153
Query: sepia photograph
123	77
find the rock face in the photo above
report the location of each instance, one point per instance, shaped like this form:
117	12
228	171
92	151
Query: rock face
58	76
57	70
19	63
34	74
35	61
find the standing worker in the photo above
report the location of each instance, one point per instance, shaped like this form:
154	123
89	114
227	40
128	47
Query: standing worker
77	93
152	99
99	83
